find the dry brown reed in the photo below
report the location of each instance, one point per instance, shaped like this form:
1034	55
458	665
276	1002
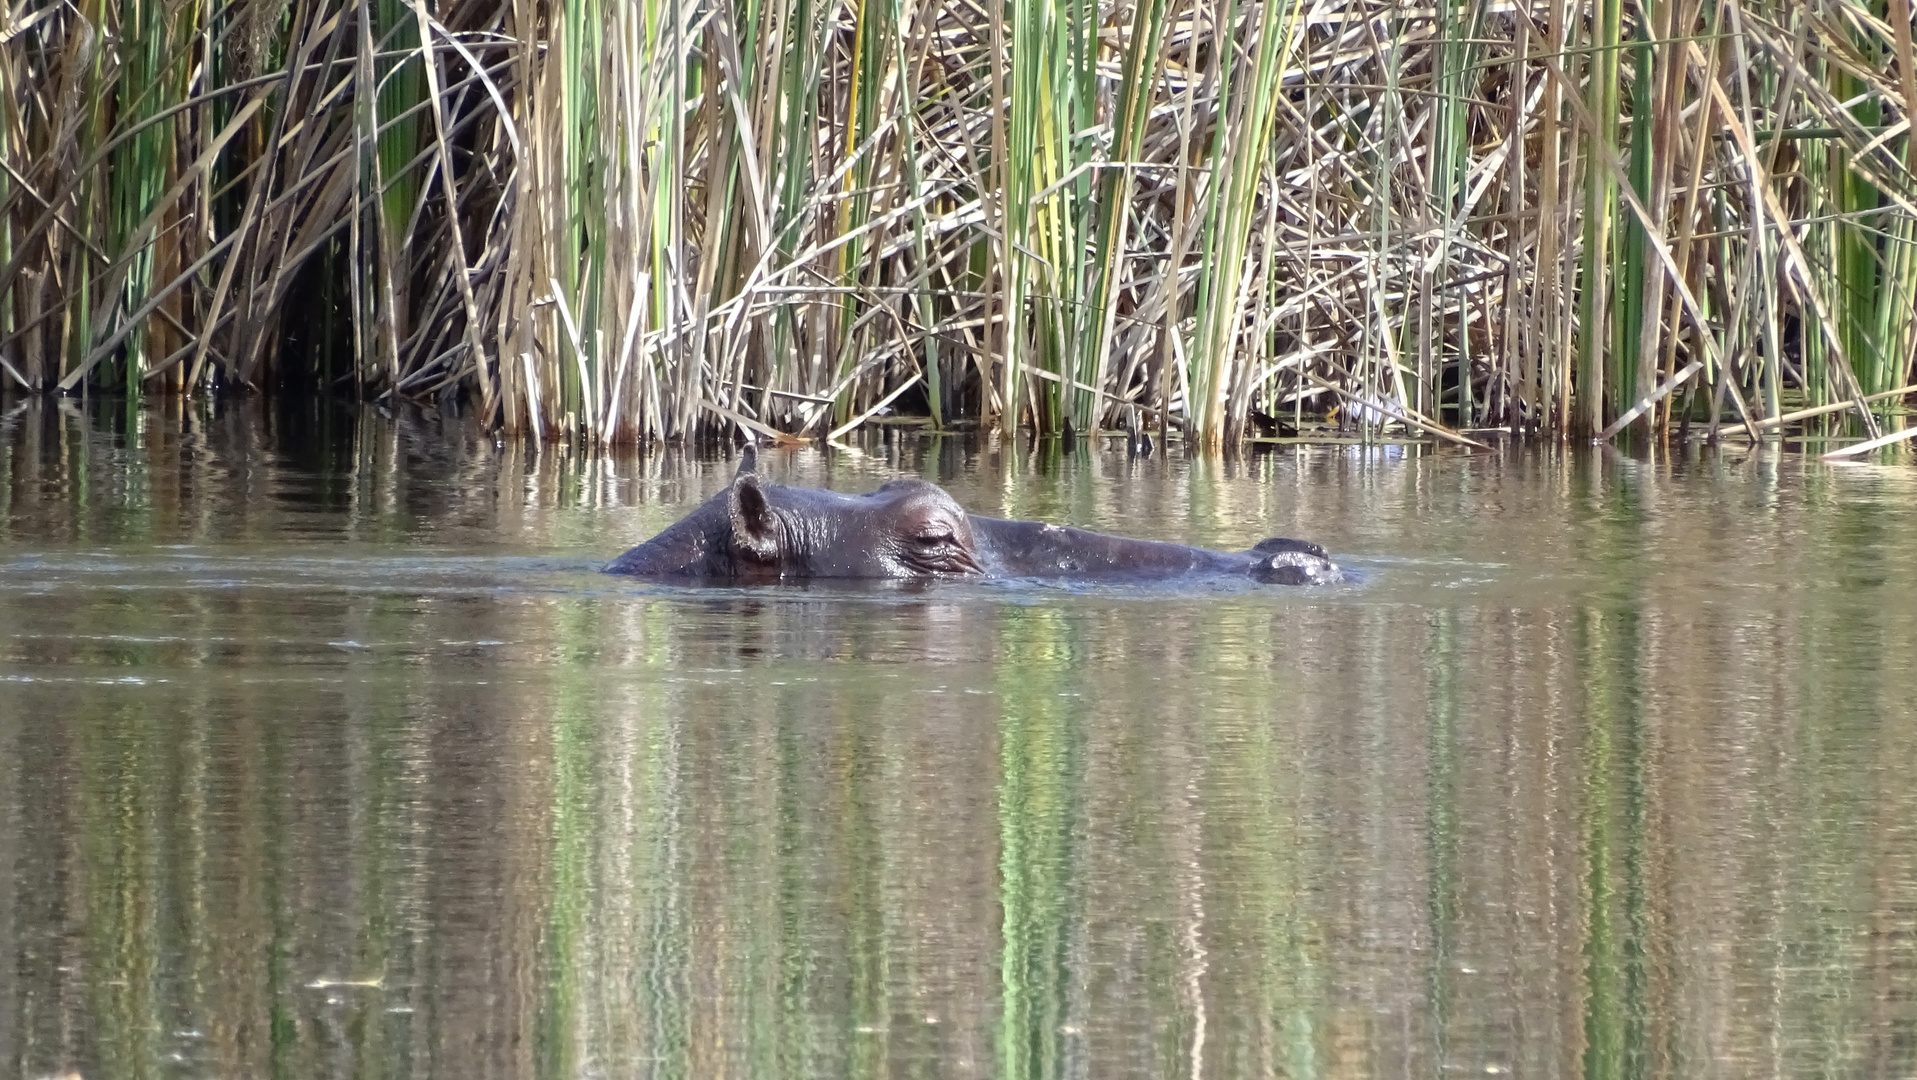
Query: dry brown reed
645	220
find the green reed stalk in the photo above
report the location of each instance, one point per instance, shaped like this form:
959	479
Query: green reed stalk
136	172
790	109
663	165
1238	151
1826	242
866	69
1458	59
402	89
1857	295
1600	206
1550	405
1076	248
582	240
908	45
1137	86
1026	170
1634	267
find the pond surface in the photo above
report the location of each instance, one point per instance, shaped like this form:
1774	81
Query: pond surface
324	751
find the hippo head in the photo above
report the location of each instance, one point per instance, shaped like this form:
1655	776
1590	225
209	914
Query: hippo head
906	529
756	530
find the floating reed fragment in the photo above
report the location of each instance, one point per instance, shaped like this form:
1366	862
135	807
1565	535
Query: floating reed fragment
649	220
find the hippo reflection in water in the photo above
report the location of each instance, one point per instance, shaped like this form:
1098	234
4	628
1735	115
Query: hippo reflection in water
758	531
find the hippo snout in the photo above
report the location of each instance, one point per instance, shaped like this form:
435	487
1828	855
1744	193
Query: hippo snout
1296	568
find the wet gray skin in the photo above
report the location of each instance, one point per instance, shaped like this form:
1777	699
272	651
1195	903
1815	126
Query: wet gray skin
758	531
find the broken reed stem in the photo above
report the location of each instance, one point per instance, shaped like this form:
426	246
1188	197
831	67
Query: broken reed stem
664	219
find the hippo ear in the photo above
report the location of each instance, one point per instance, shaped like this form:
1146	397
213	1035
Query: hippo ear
748	460
755	528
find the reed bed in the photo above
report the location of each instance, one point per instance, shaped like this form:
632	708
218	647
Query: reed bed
650	219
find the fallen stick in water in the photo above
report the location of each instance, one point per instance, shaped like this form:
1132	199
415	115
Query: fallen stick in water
1866	447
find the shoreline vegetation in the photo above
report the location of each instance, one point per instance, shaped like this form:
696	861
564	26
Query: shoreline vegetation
1219	220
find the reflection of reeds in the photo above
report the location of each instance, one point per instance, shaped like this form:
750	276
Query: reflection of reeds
1590	803
637	220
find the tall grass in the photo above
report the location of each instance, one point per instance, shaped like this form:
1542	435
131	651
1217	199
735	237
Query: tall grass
655	219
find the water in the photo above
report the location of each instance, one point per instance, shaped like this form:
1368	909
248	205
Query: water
345	762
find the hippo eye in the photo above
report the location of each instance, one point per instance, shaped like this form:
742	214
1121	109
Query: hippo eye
937	549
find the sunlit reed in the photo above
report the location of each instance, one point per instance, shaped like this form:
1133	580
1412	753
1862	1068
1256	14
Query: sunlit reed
650	220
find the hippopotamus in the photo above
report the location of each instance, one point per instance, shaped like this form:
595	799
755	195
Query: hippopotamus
758	531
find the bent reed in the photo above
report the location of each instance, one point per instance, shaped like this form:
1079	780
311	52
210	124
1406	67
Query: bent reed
645	220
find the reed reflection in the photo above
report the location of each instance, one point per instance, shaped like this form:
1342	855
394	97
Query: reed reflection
347	764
